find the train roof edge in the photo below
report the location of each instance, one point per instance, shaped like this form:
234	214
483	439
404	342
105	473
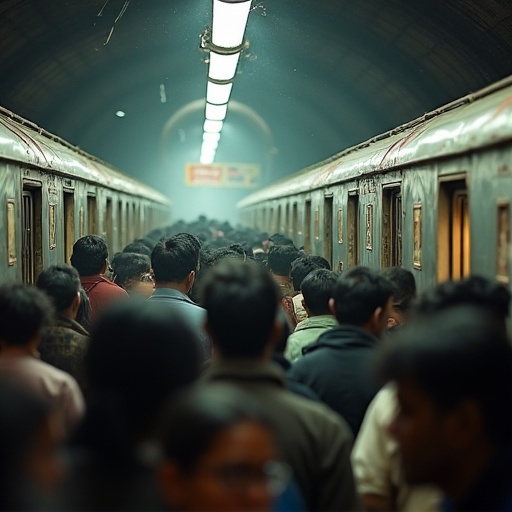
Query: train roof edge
24	141
479	119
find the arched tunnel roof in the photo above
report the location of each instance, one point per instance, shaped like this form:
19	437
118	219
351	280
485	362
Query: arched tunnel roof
321	75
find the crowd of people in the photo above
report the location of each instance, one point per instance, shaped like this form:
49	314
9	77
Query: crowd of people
208	368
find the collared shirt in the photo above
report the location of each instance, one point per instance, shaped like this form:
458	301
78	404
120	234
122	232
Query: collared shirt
101	292
193	314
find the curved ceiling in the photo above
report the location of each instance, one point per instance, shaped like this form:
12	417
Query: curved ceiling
322	75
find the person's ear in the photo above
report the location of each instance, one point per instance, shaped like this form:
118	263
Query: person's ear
332	306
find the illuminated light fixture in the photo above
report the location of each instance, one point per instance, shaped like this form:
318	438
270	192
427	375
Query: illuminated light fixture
222	67
212	126
218	93
211	137
206	159
209	146
229	21
120	113
216	112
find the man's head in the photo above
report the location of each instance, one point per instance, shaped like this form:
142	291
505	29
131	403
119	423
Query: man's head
453	372
300	268
24	311
362	297
280	258
176	259
404	292
90	255
241	300
317	289
62	284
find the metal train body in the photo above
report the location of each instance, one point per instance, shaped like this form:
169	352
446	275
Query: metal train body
52	193
432	196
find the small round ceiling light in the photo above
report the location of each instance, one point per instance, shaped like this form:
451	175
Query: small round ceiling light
120	113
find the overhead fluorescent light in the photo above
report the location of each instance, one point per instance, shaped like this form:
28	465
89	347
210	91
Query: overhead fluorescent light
222	67
215	112
229	21
218	93
212	126
211	137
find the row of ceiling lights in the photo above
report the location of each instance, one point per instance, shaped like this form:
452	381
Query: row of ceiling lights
225	42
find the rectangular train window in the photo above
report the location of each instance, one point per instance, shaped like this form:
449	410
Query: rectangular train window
108	226
453	242
31	243
69	225
307	227
91	215
391	240
81	222
52	226
503	242
416	219
340	226
353	229
317	224
369	227
327	238
120	226
295	220
11	233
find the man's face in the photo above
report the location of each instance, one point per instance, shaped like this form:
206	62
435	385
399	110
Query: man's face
423	434
397	315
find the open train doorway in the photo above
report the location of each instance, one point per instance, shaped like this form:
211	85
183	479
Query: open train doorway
31	245
453	231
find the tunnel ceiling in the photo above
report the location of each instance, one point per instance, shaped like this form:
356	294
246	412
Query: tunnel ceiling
322	75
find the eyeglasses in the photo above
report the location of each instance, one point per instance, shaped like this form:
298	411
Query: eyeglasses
238	477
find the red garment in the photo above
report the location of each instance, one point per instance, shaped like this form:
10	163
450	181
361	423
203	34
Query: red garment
101	292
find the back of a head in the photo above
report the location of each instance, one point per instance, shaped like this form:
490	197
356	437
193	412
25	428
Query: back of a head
472	291
129	266
89	255
61	283
24	311
317	289
320	261
453	355
174	258
404	284
241	300
140	352
194	419
138	248
358	293
300	268
280	258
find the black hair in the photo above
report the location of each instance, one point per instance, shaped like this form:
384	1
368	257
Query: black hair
279	239
317	290
128	267
280	258
474	290
358	293
457	354
24	311
404	285
241	300
174	258
89	255
138	248
321	261
139	354
61	283
194	419
300	268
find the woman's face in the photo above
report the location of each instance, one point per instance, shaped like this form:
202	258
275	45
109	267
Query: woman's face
231	476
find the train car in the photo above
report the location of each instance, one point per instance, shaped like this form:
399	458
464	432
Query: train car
53	193
432	196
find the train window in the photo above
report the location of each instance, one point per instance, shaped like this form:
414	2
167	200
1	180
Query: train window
278	225
391	239
369	227
31	245
317	224
134	223
81	222
69	225
295	220
307	227
120	225
328	213
52	226
340	225
503	242
91	215
11	232
287	223
454	259
108	226
353	229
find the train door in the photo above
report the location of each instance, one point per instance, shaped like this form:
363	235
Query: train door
307	227
353	229
91	215
453	238
69	224
120	226
31	245
109	233
296	231
327	239
391	227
